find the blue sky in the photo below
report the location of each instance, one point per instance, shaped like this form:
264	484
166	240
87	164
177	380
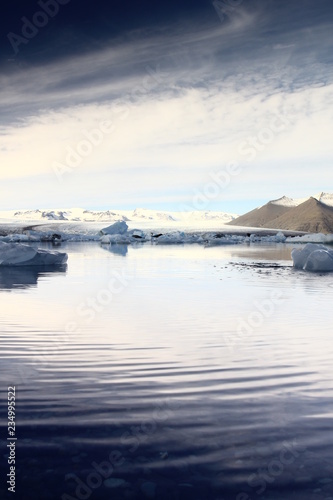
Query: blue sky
173	106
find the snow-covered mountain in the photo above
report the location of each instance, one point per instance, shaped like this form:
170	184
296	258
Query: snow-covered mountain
38	215
325	198
137	215
285	202
145	214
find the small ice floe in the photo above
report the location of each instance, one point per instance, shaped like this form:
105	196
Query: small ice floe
313	257
173	238
17	254
213	240
118	233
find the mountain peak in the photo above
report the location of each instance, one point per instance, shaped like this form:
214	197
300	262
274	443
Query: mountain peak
284	201
325	198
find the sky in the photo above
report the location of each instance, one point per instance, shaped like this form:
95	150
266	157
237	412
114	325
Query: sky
177	105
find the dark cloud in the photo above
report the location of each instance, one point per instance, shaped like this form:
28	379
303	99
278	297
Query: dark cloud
97	51
78	26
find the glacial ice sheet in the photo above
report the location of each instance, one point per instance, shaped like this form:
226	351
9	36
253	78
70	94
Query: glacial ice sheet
313	257
311	238
17	254
121	233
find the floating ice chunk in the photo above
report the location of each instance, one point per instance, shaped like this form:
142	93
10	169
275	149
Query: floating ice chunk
319	260
138	234
174	237
300	256
48	258
116	228
279	238
315	258
134	236
16	254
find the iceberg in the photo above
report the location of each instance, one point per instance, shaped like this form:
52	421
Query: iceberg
17	254
119	227
118	233
313	257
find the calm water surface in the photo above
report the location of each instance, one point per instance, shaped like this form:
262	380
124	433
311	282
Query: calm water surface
175	372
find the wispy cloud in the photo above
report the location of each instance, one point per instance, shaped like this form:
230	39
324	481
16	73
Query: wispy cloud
180	99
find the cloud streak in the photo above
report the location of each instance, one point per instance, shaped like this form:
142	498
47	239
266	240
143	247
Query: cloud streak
181	97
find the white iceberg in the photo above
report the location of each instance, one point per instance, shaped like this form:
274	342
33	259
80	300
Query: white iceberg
119	227
314	258
118	234
16	254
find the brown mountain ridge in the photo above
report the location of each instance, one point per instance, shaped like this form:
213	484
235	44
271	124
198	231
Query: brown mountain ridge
311	216
260	216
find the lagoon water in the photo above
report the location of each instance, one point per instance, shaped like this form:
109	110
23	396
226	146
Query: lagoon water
169	372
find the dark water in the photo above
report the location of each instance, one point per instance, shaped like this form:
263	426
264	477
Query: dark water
169	373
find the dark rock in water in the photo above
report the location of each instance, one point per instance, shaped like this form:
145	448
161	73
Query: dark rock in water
53	238
56	239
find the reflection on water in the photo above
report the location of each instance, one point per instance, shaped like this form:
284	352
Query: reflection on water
196	374
117	249
263	252
21	277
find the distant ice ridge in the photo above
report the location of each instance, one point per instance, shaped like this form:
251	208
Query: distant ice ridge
139	214
313	257
16	254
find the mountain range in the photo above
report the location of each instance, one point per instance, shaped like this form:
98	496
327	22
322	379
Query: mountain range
313	215
137	215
